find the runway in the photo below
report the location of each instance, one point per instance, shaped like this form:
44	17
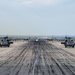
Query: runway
36	58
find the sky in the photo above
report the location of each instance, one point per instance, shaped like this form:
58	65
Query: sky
37	17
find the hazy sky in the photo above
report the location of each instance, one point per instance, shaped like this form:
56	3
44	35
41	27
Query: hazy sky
37	17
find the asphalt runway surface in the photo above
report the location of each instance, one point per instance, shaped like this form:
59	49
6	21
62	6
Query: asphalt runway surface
36	58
